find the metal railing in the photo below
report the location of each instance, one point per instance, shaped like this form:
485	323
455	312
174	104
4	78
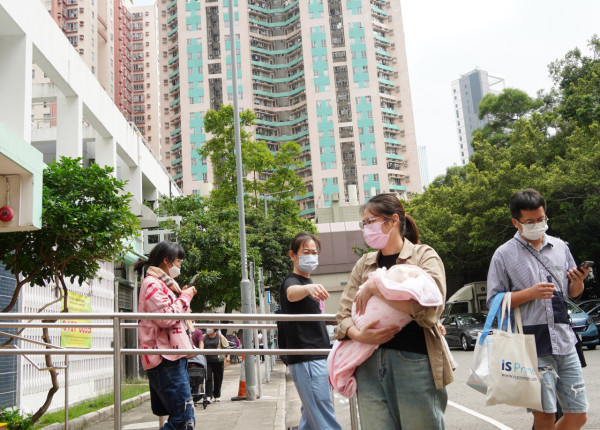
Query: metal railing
117	351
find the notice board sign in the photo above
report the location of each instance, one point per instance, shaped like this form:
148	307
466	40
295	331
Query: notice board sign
77	337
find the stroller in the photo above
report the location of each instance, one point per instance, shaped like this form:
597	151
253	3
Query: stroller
197	371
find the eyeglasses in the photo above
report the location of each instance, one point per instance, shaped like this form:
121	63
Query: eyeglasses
532	222
370	220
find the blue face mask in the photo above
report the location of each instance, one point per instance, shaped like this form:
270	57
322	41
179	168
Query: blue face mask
308	263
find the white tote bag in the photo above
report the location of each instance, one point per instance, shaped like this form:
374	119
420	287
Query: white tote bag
514	378
480	364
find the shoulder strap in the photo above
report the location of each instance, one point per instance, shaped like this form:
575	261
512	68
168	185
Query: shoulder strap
541	259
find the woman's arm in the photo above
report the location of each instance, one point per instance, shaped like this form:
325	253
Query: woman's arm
431	263
296	293
158	301
344	314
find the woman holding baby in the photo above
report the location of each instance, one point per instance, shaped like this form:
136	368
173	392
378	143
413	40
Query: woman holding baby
401	385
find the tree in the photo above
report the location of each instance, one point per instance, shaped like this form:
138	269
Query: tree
552	145
85	220
209	231
502	111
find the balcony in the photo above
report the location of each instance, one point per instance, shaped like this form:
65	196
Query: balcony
391	126
176	131
397	187
382	39
175	88
383	53
172	60
176	161
175	102
172	18
392	141
172	32
378	11
391	112
173	73
386	82
170	5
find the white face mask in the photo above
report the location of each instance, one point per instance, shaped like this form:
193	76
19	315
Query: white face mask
534	231
308	263
174	271
210	330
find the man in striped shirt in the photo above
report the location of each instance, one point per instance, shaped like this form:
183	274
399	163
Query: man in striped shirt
540	272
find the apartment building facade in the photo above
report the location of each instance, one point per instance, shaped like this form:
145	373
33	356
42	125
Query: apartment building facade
145	74
330	75
467	92
118	42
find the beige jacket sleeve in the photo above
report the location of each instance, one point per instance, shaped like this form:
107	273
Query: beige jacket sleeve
344	314
428	260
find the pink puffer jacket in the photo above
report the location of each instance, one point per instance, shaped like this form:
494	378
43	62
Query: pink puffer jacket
156	297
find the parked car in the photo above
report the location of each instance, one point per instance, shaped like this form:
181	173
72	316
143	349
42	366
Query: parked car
592	307
462	329
583	325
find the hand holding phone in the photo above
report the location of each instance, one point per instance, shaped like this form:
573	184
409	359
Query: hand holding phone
586	265
194	279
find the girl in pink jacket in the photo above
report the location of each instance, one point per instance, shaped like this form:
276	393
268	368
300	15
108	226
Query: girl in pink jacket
167	374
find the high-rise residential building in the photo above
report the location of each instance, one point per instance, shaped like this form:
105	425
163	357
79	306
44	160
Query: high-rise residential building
330	75
123	60
467	92
146	75
89	27
119	43
423	169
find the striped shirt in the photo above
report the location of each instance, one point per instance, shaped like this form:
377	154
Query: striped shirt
515	268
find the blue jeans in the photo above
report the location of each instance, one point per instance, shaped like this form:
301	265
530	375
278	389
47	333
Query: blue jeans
170	394
312	383
562	379
396	391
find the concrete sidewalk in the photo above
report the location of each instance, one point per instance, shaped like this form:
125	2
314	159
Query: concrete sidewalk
268	412
277	409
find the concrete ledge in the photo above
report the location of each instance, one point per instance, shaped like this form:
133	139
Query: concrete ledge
292	403
104	414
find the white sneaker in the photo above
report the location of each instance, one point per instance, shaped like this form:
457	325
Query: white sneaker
208	400
217	399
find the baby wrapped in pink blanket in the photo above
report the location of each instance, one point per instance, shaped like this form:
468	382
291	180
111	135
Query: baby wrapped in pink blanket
401	282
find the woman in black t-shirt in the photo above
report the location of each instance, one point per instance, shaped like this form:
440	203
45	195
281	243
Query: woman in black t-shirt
309	372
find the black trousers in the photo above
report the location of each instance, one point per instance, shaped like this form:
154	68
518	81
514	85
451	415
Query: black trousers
214	378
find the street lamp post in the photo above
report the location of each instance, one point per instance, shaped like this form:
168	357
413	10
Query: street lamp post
246	293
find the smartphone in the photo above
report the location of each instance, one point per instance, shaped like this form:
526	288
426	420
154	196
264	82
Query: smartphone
586	264
194	279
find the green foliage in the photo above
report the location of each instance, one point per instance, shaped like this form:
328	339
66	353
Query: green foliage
85	220
14	419
551	144
502	111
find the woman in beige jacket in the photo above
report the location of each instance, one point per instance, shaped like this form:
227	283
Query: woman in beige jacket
402	384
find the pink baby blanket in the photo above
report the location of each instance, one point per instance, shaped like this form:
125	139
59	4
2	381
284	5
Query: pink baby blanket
401	282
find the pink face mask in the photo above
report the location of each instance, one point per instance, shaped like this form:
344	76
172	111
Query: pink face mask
374	237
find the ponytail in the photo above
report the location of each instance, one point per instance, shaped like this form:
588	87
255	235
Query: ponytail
139	265
410	229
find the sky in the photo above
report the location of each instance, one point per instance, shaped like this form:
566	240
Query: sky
513	39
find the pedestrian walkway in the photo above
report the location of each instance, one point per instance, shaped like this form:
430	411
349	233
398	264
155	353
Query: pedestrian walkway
278	408
268	412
